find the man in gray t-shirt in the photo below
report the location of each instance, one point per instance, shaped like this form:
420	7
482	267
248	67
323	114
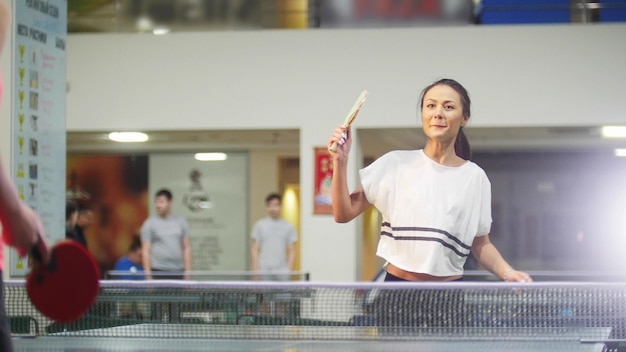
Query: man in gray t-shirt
165	241
273	242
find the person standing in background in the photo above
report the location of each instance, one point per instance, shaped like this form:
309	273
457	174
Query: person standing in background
83	220
71	215
165	241
21	227
273	242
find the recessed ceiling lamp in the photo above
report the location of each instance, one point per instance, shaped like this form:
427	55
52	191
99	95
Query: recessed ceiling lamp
620	152
128	137
160	31
210	156
614	131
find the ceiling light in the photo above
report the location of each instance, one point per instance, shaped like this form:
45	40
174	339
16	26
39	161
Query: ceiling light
614	131
210	156
160	31
620	152
128	137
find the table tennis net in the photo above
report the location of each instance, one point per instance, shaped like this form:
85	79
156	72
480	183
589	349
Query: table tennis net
306	310
214	275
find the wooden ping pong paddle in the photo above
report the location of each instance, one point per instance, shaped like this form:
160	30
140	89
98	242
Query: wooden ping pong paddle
352	115
66	287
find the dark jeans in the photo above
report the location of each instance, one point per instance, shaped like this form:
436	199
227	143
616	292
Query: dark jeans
158	274
5	330
393	278
405	309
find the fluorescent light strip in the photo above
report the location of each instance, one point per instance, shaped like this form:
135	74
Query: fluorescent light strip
620	152
210	156
614	131
160	31
128	137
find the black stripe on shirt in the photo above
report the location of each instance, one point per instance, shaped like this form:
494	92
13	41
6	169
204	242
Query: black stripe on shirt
428	229
432	239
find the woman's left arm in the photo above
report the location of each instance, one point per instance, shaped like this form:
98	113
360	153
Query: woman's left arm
490	258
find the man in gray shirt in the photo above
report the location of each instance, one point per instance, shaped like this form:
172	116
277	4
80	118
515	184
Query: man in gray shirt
165	241
273	242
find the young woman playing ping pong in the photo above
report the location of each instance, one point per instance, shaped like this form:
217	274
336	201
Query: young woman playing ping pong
21	227
435	202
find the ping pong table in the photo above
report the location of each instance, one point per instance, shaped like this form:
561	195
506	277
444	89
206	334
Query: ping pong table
303	339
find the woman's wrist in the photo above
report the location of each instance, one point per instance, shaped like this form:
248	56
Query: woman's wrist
506	273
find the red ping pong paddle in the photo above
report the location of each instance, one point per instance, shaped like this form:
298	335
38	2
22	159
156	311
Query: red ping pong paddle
65	288
352	115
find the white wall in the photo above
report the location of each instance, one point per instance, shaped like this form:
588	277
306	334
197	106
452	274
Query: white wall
569	75
520	75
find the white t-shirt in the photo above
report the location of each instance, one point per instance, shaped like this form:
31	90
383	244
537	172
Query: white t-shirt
431	212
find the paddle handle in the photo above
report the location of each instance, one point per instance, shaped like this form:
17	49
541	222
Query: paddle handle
351	116
36	255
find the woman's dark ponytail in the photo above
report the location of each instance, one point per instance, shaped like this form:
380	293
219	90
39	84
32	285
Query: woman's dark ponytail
462	146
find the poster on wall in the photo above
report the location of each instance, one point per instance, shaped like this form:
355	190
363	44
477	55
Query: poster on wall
323	169
213	197
38	106
115	190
